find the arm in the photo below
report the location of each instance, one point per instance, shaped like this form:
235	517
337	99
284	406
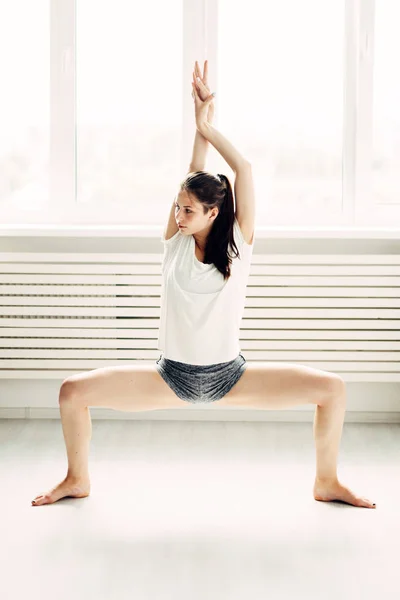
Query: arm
200	147
234	159
199	155
244	188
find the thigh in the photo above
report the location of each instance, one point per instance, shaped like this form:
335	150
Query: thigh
127	388
278	385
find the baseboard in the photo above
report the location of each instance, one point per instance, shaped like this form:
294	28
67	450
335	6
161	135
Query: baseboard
203	414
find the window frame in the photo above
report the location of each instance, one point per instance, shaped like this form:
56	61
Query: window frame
200	40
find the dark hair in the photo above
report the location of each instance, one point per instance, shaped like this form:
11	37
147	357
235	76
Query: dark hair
215	191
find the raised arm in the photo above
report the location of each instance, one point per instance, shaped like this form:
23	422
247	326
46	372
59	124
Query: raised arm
234	159
199	155
244	187
200	147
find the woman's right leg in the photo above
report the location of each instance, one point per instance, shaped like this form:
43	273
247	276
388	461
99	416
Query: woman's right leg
127	388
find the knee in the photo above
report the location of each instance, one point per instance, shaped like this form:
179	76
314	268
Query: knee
336	388
67	390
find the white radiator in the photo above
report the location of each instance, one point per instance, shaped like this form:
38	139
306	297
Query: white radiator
62	313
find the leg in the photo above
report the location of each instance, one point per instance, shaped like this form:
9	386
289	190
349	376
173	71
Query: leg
283	385
328	425
126	388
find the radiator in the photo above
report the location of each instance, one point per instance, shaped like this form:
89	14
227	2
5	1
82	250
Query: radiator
63	313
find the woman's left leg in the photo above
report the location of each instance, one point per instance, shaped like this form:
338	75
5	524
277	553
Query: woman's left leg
277	386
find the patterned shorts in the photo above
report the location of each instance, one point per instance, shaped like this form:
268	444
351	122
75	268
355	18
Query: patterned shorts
201	383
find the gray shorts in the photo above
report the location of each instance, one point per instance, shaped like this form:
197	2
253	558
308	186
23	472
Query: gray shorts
201	383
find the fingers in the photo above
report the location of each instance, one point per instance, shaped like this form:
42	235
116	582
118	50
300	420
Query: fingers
198	85
195	86
201	85
204	78
197	69
205	72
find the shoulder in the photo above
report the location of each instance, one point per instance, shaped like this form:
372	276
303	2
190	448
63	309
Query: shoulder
171	242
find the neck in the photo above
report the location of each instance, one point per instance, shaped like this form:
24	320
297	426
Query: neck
200	243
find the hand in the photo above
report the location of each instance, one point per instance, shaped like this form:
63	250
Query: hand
202	88
201	109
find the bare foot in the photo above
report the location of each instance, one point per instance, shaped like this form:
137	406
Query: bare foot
326	491
67	488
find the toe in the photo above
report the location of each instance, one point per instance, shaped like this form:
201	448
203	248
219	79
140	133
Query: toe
38	500
366	503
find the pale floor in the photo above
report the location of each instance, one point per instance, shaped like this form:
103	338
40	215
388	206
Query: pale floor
187	510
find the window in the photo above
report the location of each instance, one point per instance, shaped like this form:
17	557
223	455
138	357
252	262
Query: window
282	101
24	105
129	105
386	114
97	119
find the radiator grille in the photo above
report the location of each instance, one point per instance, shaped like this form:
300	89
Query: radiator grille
62	313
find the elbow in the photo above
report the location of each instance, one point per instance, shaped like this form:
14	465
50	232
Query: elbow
244	164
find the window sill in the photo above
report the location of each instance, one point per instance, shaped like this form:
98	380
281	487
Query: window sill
156	232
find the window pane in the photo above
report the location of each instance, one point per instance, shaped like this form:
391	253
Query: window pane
386	119
281	96
24	103
129	109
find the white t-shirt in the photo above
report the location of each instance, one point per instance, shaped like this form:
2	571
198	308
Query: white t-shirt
200	311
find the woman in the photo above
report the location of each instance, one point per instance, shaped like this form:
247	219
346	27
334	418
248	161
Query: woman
208	248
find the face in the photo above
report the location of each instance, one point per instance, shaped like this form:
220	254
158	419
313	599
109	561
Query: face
189	213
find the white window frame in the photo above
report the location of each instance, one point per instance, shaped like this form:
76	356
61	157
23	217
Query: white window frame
200	18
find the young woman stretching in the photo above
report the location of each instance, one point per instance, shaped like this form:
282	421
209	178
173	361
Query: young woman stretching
207	253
